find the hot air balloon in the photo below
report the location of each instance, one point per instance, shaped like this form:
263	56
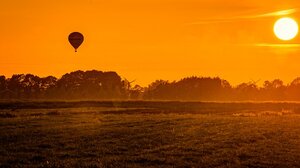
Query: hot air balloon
76	39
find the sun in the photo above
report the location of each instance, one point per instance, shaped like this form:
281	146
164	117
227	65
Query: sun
286	28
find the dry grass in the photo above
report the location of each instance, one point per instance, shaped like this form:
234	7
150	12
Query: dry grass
102	137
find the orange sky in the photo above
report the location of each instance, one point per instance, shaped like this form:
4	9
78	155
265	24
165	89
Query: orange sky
150	39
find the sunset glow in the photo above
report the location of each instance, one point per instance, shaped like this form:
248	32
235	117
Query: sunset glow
148	40
150	83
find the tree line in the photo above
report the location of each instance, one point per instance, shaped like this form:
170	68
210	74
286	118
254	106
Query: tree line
98	85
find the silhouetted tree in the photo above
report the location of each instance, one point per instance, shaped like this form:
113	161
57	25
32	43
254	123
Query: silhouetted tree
136	93
109	85
15	86
31	86
47	87
2	83
90	85
274	90
293	90
155	90
192	88
246	91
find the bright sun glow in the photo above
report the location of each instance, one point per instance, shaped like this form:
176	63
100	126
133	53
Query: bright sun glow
286	28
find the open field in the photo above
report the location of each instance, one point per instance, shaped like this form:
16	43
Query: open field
149	134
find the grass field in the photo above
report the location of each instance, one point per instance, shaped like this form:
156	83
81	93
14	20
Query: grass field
149	134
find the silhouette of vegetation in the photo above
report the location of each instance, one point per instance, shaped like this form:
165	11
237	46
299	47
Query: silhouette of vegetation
75	85
81	85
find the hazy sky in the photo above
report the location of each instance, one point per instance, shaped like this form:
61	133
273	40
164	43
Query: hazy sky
150	39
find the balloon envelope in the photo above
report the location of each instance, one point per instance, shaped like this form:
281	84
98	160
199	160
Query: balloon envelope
76	39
